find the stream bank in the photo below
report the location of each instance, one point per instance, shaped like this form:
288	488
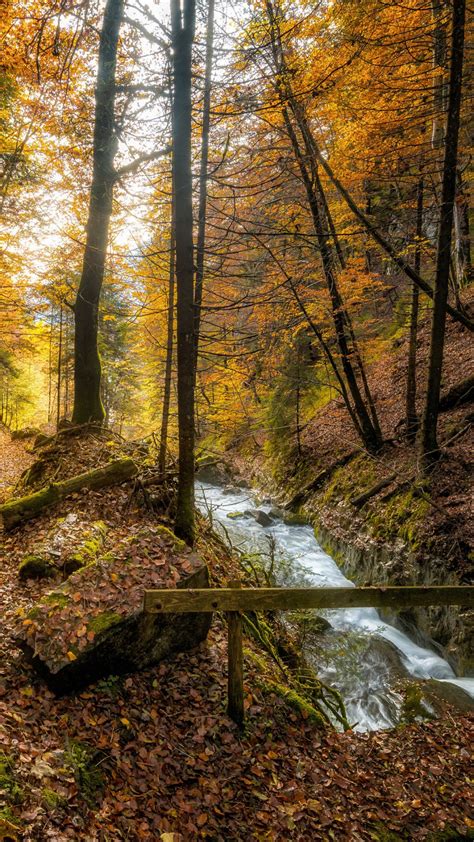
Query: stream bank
405	534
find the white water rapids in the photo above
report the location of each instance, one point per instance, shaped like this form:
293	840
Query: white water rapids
360	665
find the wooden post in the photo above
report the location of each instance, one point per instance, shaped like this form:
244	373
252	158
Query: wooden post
235	675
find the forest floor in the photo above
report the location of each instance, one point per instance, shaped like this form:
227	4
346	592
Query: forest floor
154	756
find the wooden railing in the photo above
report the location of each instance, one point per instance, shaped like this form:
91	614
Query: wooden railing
234	600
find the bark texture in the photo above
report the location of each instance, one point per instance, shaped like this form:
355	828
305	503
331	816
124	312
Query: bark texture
87	368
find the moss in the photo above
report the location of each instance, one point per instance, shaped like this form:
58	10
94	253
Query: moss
234	515
103	622
402	517
295	519
10	825
35	566
56	599
178	545
379	833
51	799
12	791
413	707
90	780
295	701
256	660
360	473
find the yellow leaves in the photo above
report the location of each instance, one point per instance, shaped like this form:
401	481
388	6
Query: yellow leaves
71	655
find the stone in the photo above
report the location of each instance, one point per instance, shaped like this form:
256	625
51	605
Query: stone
261	517
211	470
114	640
36	566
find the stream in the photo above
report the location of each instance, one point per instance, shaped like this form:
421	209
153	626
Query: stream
362	656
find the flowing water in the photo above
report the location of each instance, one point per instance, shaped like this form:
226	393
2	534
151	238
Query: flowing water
362	656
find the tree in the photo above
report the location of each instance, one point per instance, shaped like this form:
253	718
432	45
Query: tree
87	369
182	23
443	261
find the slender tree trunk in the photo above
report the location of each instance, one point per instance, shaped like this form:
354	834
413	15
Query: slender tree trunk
411	413
462	251
59	368
201	234
87	368
183	34
169	351
50	367
430	442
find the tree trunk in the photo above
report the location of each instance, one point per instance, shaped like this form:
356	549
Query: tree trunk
201	236
15	512
430	443
182	36
87	369
59	368
411	413
169	350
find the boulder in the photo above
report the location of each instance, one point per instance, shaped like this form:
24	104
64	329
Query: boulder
26	433
212	470
94	626
70	545
261	517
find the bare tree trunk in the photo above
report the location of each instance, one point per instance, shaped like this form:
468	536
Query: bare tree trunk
87	368
59	368
430	442
201	235
182	24
169	350
411	413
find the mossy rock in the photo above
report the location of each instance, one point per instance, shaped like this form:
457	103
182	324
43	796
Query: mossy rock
36	566
179	546
121	643
295	519
235	515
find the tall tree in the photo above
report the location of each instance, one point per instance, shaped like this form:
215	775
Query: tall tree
443	260
182	28
87	368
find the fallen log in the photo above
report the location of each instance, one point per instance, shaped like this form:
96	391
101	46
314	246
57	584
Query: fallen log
319	480
15	512
360	499
458	395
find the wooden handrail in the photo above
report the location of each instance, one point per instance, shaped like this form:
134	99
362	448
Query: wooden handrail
180	600
234	600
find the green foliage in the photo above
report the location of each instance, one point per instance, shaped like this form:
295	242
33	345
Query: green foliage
13	793
90	780
103	622
52	799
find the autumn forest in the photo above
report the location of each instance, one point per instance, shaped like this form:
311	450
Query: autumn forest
236	323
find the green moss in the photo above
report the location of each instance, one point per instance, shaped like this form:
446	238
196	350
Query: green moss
402	517
178	545
9	824
413	707
360	473
12	791
234	515
58	599
51	799
35	566
90	780
295	701
295	519
103	622
379	833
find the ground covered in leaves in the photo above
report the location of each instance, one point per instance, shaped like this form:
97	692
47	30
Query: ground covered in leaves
154	756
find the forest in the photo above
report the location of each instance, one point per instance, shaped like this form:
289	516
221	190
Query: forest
236	368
